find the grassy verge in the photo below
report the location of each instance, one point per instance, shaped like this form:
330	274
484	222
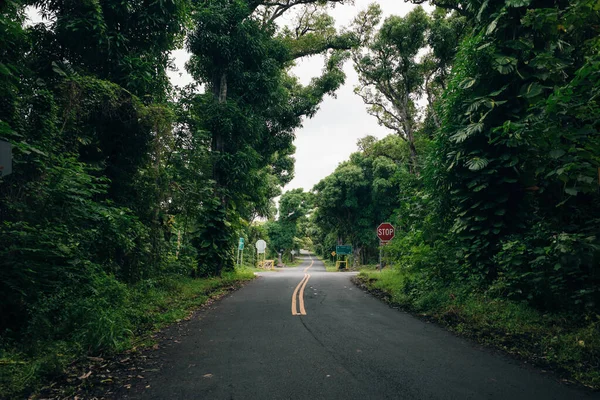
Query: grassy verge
569	347
297	261
25	367
252	268
330	266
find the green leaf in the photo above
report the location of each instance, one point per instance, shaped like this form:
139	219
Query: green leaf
557	267
518	3
4	69
492	26
467	83
56	68
571	191
477	163
532	90
557	153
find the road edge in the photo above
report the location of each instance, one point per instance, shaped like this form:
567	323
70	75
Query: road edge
542	367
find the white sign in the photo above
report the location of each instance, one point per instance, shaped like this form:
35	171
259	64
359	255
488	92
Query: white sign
293	252
261	245
5	158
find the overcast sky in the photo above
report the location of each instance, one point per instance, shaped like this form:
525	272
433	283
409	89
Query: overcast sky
330	137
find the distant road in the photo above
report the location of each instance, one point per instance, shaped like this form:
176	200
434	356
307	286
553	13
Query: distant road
329	341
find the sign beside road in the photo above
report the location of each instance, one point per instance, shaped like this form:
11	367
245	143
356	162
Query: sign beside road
241	245
5	158
385	232
343	250
261	245
293	252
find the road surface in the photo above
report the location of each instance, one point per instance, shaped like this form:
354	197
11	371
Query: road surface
304	333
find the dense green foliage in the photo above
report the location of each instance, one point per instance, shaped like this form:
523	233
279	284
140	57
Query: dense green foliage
360	194
121	180
505	202
123	184
289	231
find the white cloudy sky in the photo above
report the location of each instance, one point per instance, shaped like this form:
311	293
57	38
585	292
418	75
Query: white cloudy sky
330	137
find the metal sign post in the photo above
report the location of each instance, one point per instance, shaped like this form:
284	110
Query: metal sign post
380	251
240	253
279	261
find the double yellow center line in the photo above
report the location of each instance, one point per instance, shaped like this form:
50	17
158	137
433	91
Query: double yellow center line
299	293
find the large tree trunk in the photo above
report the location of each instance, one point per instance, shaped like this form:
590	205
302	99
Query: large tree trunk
436	118
357	250
409	131
413	167
220	93
218	233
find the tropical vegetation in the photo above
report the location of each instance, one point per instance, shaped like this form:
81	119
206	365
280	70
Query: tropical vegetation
491	176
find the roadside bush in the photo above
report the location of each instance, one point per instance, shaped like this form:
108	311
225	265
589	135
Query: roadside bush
551	271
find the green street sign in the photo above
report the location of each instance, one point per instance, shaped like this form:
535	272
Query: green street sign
241	245
343	250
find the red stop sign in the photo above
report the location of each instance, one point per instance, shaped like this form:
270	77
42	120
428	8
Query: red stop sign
385	232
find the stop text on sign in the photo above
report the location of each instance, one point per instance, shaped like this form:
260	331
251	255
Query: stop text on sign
385	232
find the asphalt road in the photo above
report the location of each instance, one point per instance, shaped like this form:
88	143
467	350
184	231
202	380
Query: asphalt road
348	345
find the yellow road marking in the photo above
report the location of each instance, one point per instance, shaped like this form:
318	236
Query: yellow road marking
294	312
311	264
301	295
299	292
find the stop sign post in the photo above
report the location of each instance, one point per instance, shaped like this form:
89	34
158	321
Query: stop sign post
385	233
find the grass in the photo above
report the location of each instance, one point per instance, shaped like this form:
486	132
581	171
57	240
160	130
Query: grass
149	306
253	269
297	261
572	348
330	266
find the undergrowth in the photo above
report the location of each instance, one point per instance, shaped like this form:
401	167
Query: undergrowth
106	327
569	346
330	266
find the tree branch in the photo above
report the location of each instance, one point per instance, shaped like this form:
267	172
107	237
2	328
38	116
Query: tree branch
448	5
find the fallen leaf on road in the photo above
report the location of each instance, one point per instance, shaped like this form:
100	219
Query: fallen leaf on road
85	376
207	376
